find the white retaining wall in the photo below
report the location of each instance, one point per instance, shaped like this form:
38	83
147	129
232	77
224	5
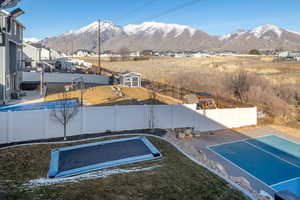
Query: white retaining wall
39	124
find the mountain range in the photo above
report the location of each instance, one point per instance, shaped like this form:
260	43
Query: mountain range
161	37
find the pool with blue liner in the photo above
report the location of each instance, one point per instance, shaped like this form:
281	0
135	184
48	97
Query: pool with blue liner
272	160
39	106
73	160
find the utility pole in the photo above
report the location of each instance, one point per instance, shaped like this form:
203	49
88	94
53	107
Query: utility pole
99	43
42	72
72	48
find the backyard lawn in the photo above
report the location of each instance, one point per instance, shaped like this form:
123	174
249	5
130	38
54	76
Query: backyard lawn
173	177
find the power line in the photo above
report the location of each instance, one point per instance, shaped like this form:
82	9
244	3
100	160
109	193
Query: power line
178	7
148	3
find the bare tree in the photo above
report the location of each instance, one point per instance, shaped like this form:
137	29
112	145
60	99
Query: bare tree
64	112
239	84
124	52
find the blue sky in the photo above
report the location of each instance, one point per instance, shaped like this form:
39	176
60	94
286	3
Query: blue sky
46	18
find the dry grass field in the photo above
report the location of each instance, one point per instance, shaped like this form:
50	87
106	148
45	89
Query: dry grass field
161	69
114	95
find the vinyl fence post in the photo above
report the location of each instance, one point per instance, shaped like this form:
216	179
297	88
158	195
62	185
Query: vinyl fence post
45	115
115	117
145	116
172	117
194	119
9	126
81	119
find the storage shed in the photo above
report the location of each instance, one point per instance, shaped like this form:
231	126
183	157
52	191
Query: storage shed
131	79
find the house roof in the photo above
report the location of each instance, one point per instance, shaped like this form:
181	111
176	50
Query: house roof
130	74
4	12
8	14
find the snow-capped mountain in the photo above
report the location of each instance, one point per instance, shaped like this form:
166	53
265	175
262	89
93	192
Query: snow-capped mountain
233	35
265	37
153	27
162	36
84	38
148	35
94	27
31	40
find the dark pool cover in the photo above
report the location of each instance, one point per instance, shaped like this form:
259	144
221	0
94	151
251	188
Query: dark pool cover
87	157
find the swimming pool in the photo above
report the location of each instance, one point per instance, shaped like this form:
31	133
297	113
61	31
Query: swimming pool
83	158
38	106
272	160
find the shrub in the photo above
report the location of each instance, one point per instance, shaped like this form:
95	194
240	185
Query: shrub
254	52
244	86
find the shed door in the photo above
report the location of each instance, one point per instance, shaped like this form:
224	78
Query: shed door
135	81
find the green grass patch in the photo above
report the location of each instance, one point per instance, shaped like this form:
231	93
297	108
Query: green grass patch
176	178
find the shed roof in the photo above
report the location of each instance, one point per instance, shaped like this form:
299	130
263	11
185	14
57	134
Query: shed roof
130	74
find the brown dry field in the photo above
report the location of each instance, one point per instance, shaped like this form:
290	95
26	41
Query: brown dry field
104	96
160	69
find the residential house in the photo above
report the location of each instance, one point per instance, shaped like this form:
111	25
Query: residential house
227	53
135	54
200	54
35	53
83	53
284	54
294	55
11	37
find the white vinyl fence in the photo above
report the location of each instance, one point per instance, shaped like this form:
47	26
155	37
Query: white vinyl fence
39	124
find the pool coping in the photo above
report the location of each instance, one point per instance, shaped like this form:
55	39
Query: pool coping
248	173
53	168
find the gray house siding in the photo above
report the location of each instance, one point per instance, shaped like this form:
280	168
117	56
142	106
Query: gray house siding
10	55
2	72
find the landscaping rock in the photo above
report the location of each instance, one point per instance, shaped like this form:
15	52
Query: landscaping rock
180	135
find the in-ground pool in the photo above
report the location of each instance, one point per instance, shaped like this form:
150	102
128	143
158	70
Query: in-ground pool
83	158
39	106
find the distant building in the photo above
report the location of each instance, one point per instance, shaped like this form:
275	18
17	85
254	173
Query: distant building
294	55
131	79
135	54
200	55
35	53
11	37
147	53
83	53
284	54
227	53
